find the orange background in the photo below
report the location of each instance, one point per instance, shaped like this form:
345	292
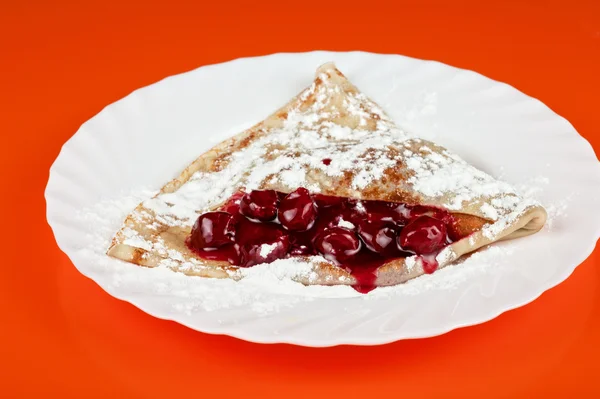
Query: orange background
62	336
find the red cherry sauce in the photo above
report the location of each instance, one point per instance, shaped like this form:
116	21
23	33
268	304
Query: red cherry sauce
358	236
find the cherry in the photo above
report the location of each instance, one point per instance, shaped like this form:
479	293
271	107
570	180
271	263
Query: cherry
379	237
301	250
264	252
377	211
357	235
260	205
258	232
213	230
337	244
301	243
325	201
424	235
297	211
232	205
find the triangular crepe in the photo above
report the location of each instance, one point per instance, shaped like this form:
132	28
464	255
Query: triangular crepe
371	159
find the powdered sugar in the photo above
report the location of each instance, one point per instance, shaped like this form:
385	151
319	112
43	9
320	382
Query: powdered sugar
266	249
265	289
445	256
289	156
486	261
557	211
133	239
304	140
492	230
535	187
410	263
443	175
346	224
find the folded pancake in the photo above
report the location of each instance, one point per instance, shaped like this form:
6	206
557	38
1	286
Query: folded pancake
371	159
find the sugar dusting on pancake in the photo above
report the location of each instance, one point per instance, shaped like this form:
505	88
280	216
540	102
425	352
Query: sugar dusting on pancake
368	157
262	284
291	156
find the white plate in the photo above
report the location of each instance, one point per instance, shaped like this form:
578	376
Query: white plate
145	139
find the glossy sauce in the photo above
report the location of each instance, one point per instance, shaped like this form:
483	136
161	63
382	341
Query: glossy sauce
332	212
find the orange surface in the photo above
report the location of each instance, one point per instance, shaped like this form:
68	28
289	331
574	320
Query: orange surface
62	336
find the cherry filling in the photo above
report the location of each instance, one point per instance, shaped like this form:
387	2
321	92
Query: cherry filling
337	244
262	226
260	205
424	235
264	252
297	210
213	230
379	236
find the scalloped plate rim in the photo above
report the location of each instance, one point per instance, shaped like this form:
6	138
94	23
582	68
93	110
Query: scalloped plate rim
291	338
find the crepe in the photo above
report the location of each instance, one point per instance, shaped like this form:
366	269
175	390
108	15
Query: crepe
370	159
